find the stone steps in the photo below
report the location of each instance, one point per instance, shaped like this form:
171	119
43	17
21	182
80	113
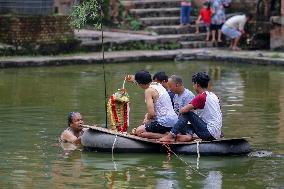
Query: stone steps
162	17
152	12
158	21
196	44
174	29
139	4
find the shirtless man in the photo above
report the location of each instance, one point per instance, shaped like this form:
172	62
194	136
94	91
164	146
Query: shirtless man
73	133
160	116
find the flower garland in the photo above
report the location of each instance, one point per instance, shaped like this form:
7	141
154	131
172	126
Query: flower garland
118	111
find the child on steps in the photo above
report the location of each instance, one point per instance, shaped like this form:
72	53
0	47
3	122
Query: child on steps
204	19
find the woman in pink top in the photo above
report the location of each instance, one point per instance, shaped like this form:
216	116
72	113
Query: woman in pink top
185	12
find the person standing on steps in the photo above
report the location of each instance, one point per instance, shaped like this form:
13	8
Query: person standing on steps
217	20
185	12
204	19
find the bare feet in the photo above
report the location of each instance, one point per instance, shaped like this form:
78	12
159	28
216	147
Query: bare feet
236	49
133	132
184	138
167	138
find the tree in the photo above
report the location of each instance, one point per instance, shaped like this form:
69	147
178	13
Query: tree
87	12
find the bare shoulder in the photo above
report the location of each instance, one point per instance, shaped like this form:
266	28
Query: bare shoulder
67	136
150	90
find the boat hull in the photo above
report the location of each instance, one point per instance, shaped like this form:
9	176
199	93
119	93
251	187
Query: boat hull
103	140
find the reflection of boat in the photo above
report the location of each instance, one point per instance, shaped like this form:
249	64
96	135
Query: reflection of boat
104	140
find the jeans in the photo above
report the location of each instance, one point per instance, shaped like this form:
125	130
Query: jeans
185	13
198	126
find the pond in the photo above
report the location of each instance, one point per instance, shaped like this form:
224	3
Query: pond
34	103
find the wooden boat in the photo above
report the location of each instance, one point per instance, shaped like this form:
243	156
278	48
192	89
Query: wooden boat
105	140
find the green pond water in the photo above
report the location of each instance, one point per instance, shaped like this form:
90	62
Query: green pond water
34	103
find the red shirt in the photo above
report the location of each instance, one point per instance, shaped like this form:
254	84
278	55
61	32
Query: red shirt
206	15
199	101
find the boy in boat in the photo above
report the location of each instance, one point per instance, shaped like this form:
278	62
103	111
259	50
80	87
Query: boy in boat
206	123
160	116
161	77
182	97
75	129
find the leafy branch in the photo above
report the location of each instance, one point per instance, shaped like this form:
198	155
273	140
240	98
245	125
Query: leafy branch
88	11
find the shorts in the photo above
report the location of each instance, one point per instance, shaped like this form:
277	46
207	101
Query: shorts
215	26
230	32
155	127
206	25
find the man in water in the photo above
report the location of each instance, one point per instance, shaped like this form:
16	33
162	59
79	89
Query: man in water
160	116
206	123
75	130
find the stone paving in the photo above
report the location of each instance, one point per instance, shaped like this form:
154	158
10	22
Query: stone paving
248	57
218	54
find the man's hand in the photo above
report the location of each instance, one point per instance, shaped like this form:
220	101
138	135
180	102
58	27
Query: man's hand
130	78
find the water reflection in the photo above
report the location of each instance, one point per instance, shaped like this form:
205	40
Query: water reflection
213	180
34	103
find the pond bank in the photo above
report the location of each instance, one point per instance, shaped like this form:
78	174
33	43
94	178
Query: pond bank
216	54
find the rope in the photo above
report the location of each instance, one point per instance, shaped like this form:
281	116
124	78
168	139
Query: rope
198	154
169	150
113	147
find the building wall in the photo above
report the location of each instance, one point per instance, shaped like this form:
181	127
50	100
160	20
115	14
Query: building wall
63	6
26	7
34	29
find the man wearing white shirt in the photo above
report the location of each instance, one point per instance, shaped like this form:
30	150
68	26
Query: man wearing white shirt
234	28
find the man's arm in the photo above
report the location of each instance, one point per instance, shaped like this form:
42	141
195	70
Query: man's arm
150	104
186	108
67	136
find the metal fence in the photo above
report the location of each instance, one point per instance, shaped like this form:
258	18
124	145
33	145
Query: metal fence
26	7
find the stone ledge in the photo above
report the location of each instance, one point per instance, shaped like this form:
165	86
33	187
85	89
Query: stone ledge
243	57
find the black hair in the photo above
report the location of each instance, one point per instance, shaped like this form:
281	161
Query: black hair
161	76
70	117
143	77
207	4
201	78
249	15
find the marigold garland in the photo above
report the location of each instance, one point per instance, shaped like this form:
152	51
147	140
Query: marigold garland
118	111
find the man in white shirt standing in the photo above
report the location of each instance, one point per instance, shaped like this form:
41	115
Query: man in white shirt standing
234	28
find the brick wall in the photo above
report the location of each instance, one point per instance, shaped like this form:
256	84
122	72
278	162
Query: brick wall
244	5
35	29
63	6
